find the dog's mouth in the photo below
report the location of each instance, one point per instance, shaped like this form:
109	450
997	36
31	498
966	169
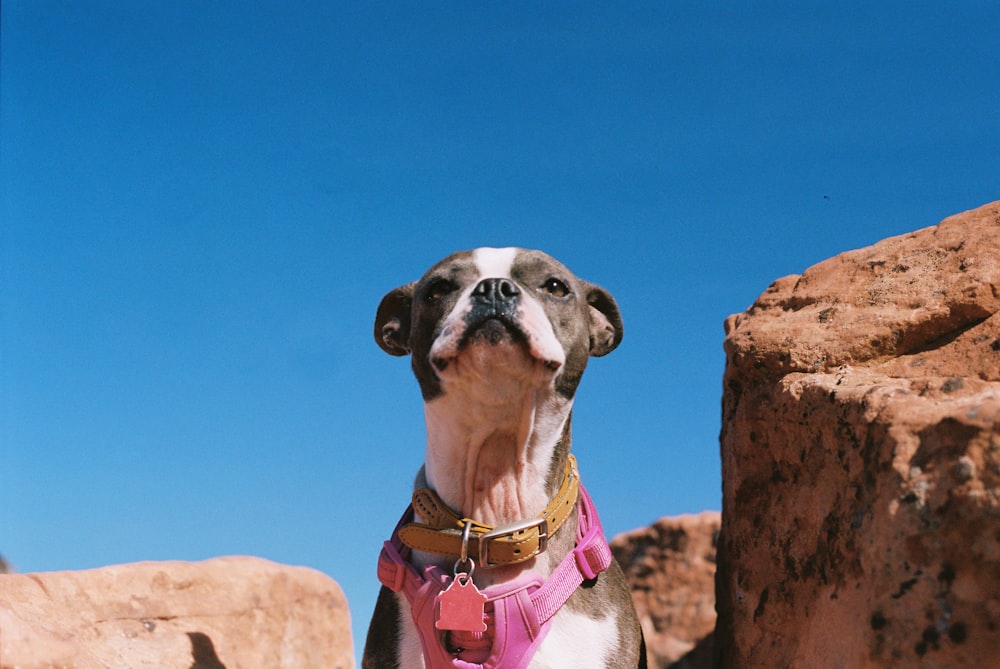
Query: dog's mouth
493	330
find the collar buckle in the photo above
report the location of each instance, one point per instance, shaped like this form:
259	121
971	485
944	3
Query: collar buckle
540	523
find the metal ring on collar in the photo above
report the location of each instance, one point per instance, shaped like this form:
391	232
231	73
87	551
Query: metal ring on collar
463	556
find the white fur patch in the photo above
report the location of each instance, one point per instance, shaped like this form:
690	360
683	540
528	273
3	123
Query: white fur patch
577	641
411	652
495	263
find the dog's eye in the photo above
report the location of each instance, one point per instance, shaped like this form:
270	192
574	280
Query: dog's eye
555	287
438	289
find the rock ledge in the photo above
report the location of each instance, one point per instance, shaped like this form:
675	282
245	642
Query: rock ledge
229	612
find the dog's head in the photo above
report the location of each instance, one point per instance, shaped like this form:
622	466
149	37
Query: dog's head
480	314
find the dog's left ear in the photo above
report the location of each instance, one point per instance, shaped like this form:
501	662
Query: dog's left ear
392	321
605	321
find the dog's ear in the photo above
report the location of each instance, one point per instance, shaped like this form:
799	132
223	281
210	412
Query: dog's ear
605	321
392	321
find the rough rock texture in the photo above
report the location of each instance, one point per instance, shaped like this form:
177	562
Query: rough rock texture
861	459
226	613
670	568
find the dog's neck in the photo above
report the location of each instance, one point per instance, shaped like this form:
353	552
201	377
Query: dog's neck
492	456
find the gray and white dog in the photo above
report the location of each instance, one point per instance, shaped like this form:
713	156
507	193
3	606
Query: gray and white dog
499	339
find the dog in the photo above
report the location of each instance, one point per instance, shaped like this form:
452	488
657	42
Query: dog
500	561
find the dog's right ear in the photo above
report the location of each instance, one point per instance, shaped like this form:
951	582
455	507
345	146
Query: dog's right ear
392	321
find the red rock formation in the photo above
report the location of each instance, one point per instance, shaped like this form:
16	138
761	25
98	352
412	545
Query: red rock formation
226	612
670	567
861	459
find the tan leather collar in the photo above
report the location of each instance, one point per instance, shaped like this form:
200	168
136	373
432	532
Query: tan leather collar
441	533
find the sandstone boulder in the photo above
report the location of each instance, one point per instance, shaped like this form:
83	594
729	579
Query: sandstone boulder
670	567
226	613
861	459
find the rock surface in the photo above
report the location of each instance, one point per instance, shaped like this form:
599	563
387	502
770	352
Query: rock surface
670	567
225	613
861	459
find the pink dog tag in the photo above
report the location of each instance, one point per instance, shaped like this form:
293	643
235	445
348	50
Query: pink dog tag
461	607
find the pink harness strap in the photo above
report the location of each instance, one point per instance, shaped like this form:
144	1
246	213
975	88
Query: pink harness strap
518	614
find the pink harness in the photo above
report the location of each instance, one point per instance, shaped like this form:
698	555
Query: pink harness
518	614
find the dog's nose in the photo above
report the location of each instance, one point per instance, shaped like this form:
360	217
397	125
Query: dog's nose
496	290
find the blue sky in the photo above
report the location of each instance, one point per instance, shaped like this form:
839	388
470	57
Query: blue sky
202	204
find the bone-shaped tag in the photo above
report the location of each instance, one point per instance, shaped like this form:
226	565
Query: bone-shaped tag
461	607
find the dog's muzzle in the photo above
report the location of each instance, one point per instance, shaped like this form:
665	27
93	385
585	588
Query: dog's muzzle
493	315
